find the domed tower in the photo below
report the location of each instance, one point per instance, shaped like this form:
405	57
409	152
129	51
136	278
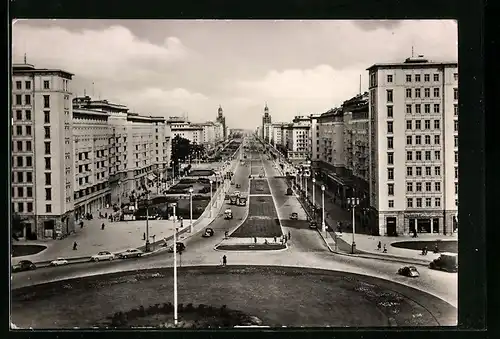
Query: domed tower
266	122
222	120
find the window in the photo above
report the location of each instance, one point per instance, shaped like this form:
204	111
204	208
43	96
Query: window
27	99
409	171
418	171
437	186
19	85
46	117
455	125
427	139
390	111
437	202
20	162
390	174
390	189
427	92
427	124
20	177
390	142
19	115
437	155
436	92
48	194
389	95
408	109
390	158
427	77
29	192
427	108
29	177
456	172
418	140
418	155
46	101
455	110
427	155
455	94
20	192
19	146
428	202
455	140
437	124
27	84
46	84
29	161
409	202
417	77
29	207
437	140
389	77
456	157
408	92
47	147
48	179
28	114
428	170
418	124
408	77
409	187
408	139
390	203
409	156
436	108
47	133
418	108
19	99
417	92
389	127
419	202
409	124
20	207
47	163
48	208
28	130
418	187
428	186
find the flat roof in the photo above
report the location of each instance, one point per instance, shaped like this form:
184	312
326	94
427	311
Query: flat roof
427	64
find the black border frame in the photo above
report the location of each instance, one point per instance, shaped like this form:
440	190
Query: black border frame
470	16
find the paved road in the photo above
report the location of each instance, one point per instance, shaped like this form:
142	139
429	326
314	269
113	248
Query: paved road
306	250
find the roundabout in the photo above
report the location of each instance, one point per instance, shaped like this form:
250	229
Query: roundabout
275	296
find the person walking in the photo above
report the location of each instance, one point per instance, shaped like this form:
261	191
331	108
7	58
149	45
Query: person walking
379	246
102	226
224	260
385	249
75	246
289	235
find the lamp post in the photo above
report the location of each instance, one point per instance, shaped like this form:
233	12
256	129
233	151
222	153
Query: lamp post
323	226
191	209
353	202
306	177
175	263
314	196
211	204
147	221
119	194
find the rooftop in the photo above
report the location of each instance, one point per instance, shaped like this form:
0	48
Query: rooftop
414	62
26	68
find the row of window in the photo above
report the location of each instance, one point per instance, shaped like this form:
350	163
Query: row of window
418	140
29	207
418	109
417	77
416	93
27	114
27	100
27	85
409	187
427	155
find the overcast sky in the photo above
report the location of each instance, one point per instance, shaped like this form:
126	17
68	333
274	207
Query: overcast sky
169	68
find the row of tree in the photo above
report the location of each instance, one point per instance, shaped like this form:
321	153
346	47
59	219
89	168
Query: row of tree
183	150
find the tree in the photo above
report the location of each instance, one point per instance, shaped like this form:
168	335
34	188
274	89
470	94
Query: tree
180	150
17	226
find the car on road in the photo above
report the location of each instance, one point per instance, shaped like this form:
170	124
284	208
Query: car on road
208	233
409	271
228	214
237	193
131	253
313	224
58	262
180	247
446	262
103	255
294	216
238	186
23	265
289	191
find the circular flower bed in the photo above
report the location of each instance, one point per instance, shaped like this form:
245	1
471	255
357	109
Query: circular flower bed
189	316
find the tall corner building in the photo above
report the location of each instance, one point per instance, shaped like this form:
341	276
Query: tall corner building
42	149
413	142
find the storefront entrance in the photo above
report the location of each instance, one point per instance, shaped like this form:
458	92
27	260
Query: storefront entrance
391	226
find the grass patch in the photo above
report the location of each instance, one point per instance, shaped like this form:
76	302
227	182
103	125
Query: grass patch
259	186
254	247
444	246
262	220
22	250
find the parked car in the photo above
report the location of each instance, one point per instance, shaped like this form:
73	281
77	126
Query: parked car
289	191
131	253
228	214
294	216
237	193
103	255
446	262
180	247
23	265
58	262
208	233
409	271
313	224
238	186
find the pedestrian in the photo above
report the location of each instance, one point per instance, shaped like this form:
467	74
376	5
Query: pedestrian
144	236
106	215
436	249
379	246
254	240
74	246
102	226
224	260
424	250
81	224
274	238
385	249
289	235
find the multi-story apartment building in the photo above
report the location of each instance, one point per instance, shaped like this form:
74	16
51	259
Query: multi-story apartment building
414	146
212	132
314	148
276	136
184	129
42	150
298	140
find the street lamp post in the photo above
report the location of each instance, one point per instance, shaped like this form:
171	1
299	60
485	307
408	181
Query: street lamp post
314	196
353	202
191	209
119	194
175	264
211	204
147	222
306	177
323	226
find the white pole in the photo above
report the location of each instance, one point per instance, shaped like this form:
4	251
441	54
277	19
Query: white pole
191	210
211	204
306	179
323	226
353	228
314	196
175	269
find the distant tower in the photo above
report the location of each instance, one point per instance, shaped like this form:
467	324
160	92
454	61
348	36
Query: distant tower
222	120
266	120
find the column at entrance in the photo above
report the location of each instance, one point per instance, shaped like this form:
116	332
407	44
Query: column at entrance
432	226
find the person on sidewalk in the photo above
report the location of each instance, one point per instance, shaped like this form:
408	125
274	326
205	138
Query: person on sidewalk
289	235
274	238
424	250
102	226
224	260
75	246
385	249
379	246
254	240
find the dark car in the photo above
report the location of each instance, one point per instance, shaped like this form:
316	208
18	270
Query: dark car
180	247
313	224
208	233
23	265
446	262
409	271
294	216
289	191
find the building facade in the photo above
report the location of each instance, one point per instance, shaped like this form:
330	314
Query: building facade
414	146
298	141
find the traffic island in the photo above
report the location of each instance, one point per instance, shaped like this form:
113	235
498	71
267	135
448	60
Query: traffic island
23	250
278	296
